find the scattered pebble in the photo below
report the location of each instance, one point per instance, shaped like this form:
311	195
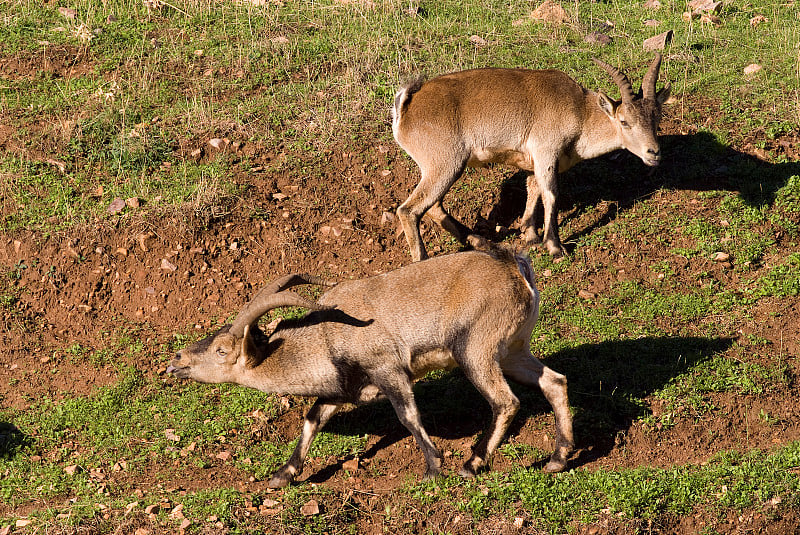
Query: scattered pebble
598	38
752	69
478	41
68	13
311	508
116	206
658	42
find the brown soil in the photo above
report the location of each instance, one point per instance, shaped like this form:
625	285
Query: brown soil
157	271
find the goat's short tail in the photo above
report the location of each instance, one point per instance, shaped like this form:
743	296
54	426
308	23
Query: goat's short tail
525	268
402	98
505	253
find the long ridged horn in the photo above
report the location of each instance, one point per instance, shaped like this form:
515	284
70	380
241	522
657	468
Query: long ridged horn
650	79
625	87
274	296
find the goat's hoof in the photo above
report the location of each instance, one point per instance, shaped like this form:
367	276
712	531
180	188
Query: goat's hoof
279	481
467	473
531	237
431	474
553	467
479	243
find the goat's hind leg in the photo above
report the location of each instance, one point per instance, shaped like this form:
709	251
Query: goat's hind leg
437	177
525	369
317	417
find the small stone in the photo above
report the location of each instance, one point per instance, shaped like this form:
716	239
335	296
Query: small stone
758	19
142	239
721	257
586	294
23	522
223	455
652	4
550	11
133	202
152	509
116	206
279	196
351	465
519	522
68	13
707	18
311	508
704	6
166	265
752	69
658	42
185	524
388	218
478	41
196	154
171	436
598	38
72	469
217	143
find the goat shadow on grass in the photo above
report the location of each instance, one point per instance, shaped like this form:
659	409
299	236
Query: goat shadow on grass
12	440
607	385
697	162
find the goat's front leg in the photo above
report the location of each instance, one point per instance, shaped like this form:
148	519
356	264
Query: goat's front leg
528	224
546	185
317	417
396	386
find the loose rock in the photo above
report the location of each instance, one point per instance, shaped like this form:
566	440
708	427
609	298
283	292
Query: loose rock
311	508
658	42
116	206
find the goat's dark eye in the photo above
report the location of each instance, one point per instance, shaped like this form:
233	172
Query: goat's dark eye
624	123
221	351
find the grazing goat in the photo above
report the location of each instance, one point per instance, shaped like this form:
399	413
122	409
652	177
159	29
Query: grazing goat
373	337
540	121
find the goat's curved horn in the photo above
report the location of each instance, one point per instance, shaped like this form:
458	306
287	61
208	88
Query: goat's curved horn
273	296
293	279
650	79
625	87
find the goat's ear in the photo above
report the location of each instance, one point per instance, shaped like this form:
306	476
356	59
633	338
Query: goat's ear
607	104
663	95
249	352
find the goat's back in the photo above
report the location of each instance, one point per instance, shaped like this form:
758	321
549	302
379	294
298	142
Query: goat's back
490	101
435	300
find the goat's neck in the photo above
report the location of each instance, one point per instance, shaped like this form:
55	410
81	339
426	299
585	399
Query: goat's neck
290	367
599	134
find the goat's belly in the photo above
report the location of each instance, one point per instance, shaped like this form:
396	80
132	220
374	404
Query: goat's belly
437	359
485	157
